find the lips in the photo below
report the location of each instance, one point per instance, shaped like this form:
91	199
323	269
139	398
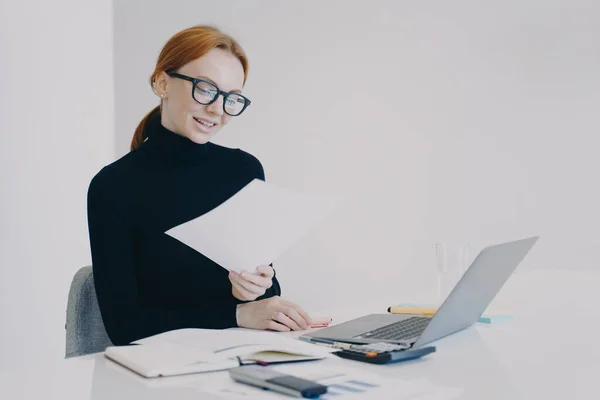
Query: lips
204	122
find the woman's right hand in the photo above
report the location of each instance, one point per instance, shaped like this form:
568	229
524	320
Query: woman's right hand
274	314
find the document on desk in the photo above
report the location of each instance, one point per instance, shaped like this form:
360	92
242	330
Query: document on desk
255	226
342	383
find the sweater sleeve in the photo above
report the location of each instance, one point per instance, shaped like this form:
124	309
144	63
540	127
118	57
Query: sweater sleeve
125	316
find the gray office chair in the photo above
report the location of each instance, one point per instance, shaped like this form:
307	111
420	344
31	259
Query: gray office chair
85	329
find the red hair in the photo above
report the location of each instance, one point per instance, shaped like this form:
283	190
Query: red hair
184	47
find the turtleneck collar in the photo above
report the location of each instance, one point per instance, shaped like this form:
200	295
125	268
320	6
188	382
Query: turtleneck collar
174	147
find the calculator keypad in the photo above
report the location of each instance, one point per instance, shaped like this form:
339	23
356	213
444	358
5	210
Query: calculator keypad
376	348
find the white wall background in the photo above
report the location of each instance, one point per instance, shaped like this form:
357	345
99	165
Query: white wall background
464	121
56	132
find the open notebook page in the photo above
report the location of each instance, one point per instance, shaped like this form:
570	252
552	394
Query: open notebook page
214	344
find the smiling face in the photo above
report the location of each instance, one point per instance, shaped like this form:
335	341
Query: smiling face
184	115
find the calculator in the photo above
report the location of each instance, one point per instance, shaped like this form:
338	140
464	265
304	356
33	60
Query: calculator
382	353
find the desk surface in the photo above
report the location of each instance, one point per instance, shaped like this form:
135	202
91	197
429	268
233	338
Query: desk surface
549	351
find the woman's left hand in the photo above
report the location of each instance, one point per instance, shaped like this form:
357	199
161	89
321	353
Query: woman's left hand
248	286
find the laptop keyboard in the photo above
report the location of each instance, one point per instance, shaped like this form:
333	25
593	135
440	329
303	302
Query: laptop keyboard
401	330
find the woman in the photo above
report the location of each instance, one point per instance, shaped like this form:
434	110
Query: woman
146	281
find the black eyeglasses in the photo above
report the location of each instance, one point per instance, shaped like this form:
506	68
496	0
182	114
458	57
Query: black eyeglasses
206	92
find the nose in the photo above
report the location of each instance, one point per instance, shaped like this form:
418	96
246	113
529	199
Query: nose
216	108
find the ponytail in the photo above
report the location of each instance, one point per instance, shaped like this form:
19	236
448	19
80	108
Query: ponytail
141	132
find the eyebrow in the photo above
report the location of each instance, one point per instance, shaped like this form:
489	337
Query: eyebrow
206	78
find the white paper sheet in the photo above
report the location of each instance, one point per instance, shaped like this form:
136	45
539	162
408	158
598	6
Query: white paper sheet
342	382
255	226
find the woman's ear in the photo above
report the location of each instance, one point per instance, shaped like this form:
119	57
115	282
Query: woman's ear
160	85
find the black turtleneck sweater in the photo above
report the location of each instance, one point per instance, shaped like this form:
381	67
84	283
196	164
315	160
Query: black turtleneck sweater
146	281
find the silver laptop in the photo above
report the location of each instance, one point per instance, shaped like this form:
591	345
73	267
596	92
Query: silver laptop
462	308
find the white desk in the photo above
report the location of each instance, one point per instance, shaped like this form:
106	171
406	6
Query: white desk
550	351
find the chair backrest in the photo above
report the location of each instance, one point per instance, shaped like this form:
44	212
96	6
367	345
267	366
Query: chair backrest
85	330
